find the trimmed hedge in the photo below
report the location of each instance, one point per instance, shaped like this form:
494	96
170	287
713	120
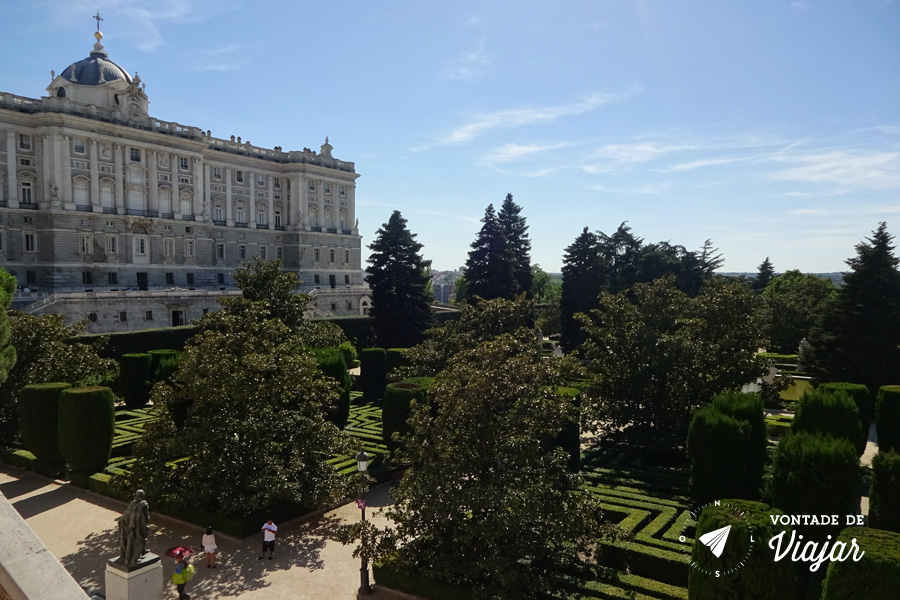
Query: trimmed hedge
389	574
877	574
667	566
125	342
373	372
359	329
887	417
749	409
395	358
158	357
719	448
395	409
38	420
884	495
862	397
569	439
815	474
761	578
135	376
832	413
86	427
332	363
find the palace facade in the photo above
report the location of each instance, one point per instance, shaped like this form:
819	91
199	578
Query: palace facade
109	214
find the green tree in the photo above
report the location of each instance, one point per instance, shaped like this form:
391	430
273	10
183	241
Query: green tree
7	351
546	291
583	278
656	354
795	303
477	323
857	338
620	252
264	282
489	268
764	274
49	351
255	432
490	505
398	276
518	244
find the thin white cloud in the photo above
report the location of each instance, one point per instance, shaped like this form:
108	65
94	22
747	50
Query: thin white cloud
469	65
513	152
518	117
223	58
650	188
856	168
709	162
612	157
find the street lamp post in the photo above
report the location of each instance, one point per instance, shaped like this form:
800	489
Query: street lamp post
362	465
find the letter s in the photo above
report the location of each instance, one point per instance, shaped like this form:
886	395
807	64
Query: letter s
718	574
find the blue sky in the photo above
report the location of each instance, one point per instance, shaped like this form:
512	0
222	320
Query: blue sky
770	127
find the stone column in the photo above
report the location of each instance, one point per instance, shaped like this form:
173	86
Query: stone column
12	191
95	175
251	218
197	188
229	215
294	217
153	183
120	178
207	193
271	188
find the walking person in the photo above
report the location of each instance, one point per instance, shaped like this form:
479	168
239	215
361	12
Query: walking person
269	530
208	543
183	573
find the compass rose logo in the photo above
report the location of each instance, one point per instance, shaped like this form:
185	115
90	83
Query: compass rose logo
724	558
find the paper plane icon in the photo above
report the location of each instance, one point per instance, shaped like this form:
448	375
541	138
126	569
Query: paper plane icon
715	540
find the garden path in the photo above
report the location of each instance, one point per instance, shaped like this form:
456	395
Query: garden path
79	528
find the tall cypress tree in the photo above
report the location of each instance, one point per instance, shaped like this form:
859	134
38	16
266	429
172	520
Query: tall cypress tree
583	278
398	276
857	339
765	274
519	245
489	268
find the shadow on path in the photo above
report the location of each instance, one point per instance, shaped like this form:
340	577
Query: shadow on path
48	500
20	486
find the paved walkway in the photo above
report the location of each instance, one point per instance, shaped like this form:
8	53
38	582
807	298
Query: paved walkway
79	528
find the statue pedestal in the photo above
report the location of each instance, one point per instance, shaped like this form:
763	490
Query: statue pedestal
141	581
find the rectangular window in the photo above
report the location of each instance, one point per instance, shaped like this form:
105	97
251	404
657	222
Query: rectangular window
331	255
279	252
316	279
27	198
346	256
112	278
277	183
31	243
312	186
239	176
112	244
242	251
261	218
206	312
189	230
342	191
170	278
220	251
217	172
78	145
24	141
148	315
278	218
167	228
87	243
189	248
346	280
184	179
25	162
27	220
140	246
239	216
87	278
168	247
316	255
31	277
217	214
264	252
184	163
220	278
261	180
135	154
123	316
327	188
190	279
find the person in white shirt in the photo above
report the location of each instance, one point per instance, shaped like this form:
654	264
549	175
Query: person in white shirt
208	543
269	530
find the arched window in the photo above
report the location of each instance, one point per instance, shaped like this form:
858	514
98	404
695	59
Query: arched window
261	218
240	216
61	93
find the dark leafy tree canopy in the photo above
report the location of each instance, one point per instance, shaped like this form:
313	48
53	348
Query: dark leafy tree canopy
48	351
7	351
765	274
519	246
656	354
857	339
489	268
399	278
795	303
489	504
264	282
584	277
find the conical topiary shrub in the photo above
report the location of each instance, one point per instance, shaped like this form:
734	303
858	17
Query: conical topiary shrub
38	419
87	424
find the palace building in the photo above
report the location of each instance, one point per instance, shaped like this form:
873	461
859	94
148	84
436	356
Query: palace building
129	221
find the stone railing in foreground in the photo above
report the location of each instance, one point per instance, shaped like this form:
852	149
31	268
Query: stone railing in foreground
28	571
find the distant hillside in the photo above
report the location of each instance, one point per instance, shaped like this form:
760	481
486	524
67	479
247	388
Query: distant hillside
836	278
